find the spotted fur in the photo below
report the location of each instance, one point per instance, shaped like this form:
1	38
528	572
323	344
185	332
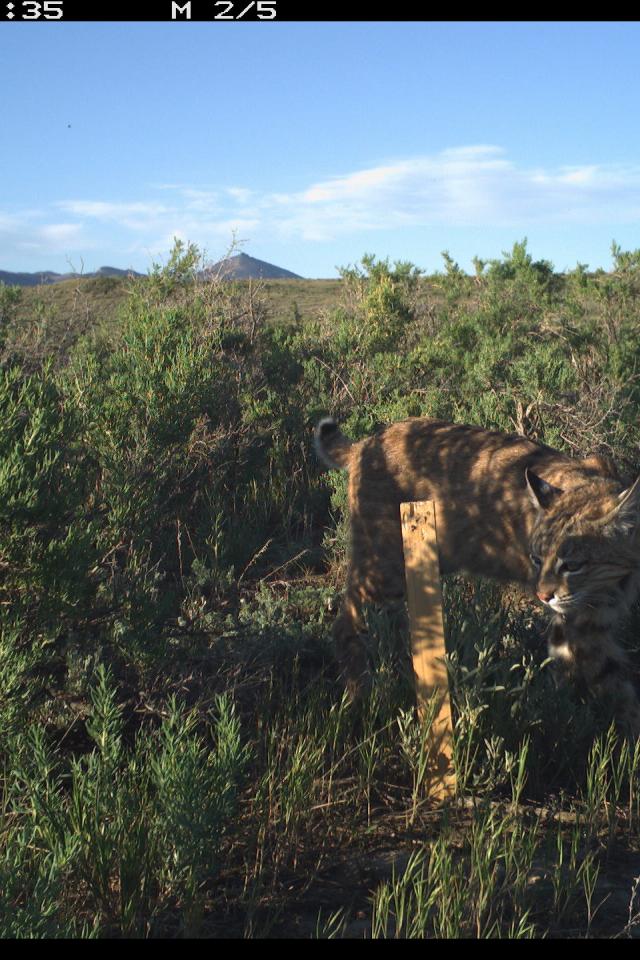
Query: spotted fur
506	508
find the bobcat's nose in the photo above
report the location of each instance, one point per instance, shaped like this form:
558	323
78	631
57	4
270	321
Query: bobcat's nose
544	595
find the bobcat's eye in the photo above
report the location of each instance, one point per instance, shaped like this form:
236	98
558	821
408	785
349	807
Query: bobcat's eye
570	566
535	560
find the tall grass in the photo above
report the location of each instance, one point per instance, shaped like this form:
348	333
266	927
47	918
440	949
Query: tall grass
178	756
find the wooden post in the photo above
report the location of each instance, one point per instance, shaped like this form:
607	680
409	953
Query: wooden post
422	571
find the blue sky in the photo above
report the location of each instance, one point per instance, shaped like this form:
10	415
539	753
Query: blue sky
313	143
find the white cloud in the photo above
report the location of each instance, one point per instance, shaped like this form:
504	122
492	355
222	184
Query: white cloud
61	234
476	186
135	216
22	234
241	194
469	186
581	176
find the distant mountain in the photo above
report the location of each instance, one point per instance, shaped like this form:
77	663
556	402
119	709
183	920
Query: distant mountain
243	267
48	276
29	279
240	267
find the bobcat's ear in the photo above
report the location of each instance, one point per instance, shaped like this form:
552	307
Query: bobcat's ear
624	517
542	493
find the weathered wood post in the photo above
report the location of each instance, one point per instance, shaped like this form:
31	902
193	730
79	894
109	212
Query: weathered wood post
424	597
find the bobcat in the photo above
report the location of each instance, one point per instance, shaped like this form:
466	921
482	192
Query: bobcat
506	508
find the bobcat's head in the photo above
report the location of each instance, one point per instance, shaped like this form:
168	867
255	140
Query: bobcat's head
585	546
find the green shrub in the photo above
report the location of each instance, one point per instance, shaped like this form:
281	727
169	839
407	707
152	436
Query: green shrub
169	551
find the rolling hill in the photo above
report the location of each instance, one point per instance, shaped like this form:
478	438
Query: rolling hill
244	267
45	277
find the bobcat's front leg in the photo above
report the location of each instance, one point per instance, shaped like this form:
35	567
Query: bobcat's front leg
349	635
594	660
